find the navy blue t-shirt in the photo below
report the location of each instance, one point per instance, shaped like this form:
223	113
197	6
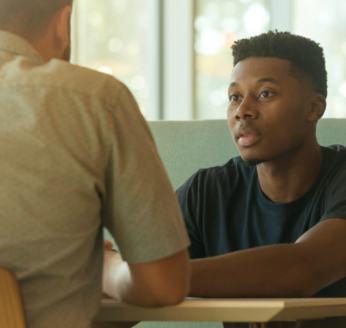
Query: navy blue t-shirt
225	209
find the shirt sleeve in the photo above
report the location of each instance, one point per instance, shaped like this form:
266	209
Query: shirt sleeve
188	196
140	207
336	196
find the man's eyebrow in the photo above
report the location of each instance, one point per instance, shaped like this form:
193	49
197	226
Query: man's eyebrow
267	79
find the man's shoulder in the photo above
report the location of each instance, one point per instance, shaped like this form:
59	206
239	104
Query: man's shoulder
334	164
335	156
337	148
82	80
59	75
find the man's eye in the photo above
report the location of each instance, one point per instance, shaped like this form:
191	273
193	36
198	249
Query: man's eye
265	94
234	98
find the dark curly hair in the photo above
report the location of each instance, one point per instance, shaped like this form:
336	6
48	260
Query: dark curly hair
306	56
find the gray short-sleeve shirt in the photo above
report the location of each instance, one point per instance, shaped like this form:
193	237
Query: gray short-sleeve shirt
75	155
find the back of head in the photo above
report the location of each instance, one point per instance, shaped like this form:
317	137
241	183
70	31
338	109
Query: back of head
305	55
29	18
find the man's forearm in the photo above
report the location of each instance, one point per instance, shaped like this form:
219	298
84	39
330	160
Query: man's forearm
271	271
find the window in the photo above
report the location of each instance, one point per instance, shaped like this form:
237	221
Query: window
326	24
175	55
119	37
217	25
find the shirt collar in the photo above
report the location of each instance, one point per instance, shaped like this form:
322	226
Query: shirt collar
12	43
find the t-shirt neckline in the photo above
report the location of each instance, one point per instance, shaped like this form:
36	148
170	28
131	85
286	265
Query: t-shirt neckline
297	204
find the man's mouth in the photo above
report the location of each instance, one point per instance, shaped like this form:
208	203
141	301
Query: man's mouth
248	137
248	140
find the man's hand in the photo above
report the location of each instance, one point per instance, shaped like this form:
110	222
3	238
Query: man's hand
110	253
112	262
108	247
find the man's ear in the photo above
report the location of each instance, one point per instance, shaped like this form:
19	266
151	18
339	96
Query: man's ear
62	28
318	106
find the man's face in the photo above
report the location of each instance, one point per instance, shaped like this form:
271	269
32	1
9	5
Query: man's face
268	109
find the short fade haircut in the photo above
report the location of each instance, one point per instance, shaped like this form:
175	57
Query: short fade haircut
306	56
29	17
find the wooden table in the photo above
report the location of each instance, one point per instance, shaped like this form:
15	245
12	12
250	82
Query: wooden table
256	312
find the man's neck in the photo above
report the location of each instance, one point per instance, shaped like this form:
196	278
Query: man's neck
44	44
286	179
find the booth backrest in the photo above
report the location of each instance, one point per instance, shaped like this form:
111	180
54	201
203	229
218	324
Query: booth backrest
186	147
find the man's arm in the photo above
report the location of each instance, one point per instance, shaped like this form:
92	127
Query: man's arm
159	283
140	210
315	261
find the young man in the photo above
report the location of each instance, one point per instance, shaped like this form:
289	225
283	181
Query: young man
76	154
271	223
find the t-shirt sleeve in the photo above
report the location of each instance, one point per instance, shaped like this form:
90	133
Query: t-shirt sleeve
140	207
335	206
188	197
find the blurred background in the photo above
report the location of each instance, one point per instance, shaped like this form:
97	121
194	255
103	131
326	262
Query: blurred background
175	55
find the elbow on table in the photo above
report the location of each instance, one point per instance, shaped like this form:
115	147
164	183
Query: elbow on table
171	283
163	283
171	299
303	292
155	297
309	290
170	293
309	284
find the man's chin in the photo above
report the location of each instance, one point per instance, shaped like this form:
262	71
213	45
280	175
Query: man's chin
253	162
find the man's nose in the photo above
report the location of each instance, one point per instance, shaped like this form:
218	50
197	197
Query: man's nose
247	109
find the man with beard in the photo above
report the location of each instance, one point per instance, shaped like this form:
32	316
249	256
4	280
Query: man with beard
271	223
76	155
